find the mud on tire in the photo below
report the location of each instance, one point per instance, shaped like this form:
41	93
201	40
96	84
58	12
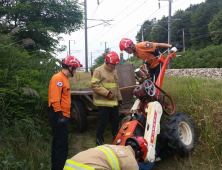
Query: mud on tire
180	134
78	115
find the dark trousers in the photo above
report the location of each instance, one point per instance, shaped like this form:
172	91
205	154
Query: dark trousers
155	72
106	113
59	141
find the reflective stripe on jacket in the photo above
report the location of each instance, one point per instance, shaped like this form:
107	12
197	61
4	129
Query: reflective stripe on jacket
105	80
72	165
104	157
110	155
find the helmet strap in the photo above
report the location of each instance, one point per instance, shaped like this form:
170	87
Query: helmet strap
106	61
71	71
132	46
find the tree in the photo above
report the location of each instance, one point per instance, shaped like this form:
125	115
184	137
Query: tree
24	79
178	26
100	60
215	28
200	35
147	26
40	20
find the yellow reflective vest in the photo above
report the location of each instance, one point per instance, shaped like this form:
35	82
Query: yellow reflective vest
104	157
105	80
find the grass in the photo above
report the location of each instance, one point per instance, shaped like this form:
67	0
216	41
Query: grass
26	144
80	80
199	98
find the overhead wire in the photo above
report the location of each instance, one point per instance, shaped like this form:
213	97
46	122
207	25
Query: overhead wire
93	14
112	19
143	22
118	22
149	17
139	23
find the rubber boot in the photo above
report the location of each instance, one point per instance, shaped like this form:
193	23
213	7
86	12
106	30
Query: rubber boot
99	142
114	136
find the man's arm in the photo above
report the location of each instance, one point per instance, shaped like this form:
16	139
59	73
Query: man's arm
56	90
97	85
163	45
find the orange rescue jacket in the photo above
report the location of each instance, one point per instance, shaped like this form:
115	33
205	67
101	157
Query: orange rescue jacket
142	51
60	94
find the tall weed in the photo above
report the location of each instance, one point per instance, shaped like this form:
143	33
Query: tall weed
201	99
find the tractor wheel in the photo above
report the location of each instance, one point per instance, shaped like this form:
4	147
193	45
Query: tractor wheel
180	134
78	115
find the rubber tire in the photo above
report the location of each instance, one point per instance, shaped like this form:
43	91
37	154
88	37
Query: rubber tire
78	115
184	146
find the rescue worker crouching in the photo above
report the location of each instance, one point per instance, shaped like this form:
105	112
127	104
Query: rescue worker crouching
106	95
148	52
59	102
110	157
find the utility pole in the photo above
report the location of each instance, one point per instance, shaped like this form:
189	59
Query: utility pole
142	33
169	23
69	45
169	27
86	42
142	38
183	42
105	46
169	30
91	60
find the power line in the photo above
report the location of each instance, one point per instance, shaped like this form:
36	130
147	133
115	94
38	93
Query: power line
118	22
112	19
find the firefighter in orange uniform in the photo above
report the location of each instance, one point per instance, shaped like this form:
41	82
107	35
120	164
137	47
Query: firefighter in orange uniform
59	101
147	51
111	157
106	95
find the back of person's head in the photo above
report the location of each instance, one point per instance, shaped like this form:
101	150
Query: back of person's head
139	145
71	61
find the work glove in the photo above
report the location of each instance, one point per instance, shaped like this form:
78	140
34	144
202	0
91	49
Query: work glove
61	118
178	46
110	95
120	103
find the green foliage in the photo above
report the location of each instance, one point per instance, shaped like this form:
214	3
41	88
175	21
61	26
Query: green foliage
201	24
100	60
137	62
215	28
25	144
209	57
24	133
40	21
24	81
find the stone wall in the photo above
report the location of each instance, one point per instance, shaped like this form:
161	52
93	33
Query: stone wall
215	73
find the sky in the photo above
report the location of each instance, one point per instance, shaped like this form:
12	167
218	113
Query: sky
124	18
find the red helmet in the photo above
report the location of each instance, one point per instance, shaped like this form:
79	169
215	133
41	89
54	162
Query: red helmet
125	43
112	58
71	61
138	143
